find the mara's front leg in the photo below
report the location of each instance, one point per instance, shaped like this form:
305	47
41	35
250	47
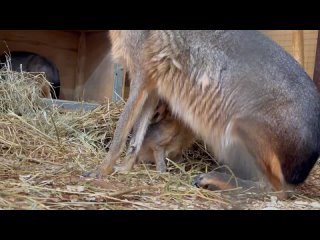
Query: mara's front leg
139	93
139	132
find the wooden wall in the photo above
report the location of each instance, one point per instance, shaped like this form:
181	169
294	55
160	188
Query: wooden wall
98	67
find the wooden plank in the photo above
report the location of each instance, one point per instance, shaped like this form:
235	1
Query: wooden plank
42	38
316	75
118	87
126	86
298	46
124	82
79	83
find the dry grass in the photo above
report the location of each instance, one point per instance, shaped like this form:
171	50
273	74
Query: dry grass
44	152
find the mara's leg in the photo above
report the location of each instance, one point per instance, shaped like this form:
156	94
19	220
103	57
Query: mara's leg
250	154
139	92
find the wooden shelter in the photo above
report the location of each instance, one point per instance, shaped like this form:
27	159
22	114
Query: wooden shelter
82	57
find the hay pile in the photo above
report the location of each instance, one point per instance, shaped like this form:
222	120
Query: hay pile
44	151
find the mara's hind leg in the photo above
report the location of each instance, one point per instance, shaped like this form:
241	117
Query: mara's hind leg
251	156
223	181
160	157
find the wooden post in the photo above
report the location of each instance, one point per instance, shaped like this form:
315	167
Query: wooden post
119	83
298	46
316	75
80	79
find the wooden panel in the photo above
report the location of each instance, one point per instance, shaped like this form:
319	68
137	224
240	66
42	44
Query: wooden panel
126	86
45	38
298	46
310	45
60	47
80	77
316	75
99	67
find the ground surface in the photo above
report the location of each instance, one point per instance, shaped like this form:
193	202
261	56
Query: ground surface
25	185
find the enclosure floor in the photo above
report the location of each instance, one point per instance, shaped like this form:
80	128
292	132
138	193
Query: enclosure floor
139	189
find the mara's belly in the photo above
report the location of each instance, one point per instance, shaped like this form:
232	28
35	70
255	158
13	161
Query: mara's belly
214	134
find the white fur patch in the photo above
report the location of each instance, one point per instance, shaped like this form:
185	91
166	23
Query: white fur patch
176	63
227	135
159	56
204	81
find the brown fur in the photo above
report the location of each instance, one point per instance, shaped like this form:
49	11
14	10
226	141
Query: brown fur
242	122
45	87
165	137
